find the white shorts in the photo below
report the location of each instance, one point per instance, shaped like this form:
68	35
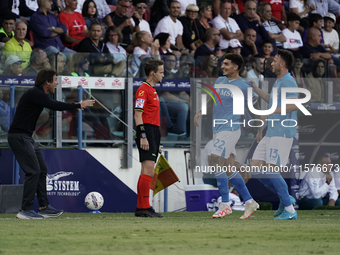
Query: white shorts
224	143
274	150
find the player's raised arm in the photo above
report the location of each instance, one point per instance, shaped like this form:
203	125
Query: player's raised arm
265	96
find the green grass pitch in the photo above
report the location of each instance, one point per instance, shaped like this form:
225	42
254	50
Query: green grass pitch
314	232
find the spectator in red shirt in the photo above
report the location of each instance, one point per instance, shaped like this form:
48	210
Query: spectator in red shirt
75	23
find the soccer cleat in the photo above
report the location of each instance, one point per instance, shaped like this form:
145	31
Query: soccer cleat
287	216
147	213
30	214
249	209
222	211
50	212
282	207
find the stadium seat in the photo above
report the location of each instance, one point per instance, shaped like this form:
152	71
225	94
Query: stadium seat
112	8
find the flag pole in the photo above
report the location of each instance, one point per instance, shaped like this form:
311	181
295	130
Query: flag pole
166	189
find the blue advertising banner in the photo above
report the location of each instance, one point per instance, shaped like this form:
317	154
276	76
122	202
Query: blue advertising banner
69	181
167	84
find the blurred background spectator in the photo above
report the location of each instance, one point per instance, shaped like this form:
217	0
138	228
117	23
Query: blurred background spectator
193	31
316	81
205	15
113	38
164	43
38	61
208	67
17	44
293	37
48	29
13	66
75	25
90	14
140	8
331	36
170	64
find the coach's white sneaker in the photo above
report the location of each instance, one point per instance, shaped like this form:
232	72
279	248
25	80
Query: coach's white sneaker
222	211
249	209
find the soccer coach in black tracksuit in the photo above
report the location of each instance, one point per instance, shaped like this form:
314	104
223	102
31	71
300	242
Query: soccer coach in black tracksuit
27	151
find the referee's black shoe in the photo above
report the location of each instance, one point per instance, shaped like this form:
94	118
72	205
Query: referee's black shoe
147	213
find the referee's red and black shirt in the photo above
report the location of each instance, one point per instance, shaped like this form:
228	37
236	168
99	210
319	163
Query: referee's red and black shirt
147	101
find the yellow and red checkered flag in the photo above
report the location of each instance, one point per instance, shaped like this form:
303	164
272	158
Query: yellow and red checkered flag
164	176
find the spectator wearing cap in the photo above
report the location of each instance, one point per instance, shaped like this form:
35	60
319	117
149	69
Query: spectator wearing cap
265	11
17	8
330	35
249	19
315	20
38	61
227	26
75	25
325	6
205	15
140	8
213	38
90	14
171	25
249	48
293	37
13	66
118	18
48	29
235	46
164	43
17	45
193	31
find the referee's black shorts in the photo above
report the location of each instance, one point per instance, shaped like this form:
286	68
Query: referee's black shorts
153	134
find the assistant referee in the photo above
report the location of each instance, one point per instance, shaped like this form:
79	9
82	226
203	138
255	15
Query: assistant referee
148	136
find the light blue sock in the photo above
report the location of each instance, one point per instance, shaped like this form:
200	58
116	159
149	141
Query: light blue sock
237	181
281	188
222	184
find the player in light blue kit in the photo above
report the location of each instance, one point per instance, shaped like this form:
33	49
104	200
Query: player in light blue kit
273	150
227	134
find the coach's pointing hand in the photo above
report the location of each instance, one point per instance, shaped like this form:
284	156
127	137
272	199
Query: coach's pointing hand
87	103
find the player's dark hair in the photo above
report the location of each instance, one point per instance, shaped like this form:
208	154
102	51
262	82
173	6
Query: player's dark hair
293	17
45	75
314	17
320	158
152	65
236	59
286	56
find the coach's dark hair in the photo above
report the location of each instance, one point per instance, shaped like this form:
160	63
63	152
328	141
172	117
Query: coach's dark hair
320	158
235	59
286	56
314	17
152	65
45	75
292	16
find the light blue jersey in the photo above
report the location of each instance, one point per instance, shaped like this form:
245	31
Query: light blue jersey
225	111
277	129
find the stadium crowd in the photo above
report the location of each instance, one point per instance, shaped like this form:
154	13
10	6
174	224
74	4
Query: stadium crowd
116	38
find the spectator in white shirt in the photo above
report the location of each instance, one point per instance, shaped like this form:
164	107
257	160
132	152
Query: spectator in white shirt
294	40
145	47
113	37
140	8
330	35
316	184
227	26
171	25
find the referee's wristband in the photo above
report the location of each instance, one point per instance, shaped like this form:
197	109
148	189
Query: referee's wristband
141	130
